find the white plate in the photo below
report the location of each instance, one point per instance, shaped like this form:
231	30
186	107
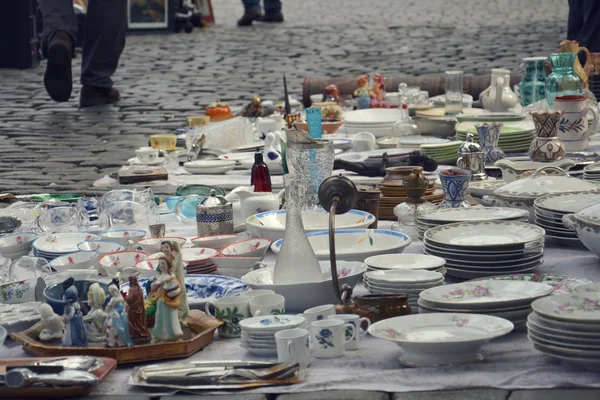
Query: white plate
484	261
484	234
567	203
405	261
473	214
237	157
570	359
578	307
417	141
213	167
589	288
511	315
462	274
532	248
372	116
486	294
272	322
61	243
568	329
583	353
408	276
197	254
262	352
592	343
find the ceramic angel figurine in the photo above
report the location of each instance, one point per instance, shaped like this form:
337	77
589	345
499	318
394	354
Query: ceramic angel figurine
95	319
378	100
116	327
136	315
75	332
363	93
171	249
166	295
54	327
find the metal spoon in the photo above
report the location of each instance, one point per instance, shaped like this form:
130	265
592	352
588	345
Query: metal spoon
22	377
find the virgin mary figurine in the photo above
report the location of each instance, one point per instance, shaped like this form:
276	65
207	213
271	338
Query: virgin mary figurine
171	250
75	332
136	316
116	327
166	294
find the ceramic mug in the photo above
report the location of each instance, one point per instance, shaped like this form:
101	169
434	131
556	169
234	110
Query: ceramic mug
573	127
230	310
318	313
267	304
146	154
329	337
293	346
357	322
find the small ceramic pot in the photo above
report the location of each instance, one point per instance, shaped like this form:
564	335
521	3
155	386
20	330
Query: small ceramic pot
377	307
455	183
546	147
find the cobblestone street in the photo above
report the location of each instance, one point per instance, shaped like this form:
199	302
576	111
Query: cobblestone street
51	147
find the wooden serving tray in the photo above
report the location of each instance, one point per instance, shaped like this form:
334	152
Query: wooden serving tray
62	392
199	334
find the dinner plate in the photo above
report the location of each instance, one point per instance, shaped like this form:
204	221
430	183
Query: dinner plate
272	322
570	359
536	247
405	261
578	352
511	315
61	243
372	116
209	166
473	214
563	340
472	263
417	140
492	117
567	203
588	288
403	277
462	274
578	307
496	269
563	328
562	284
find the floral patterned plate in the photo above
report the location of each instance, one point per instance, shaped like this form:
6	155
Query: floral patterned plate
580	308
486	295
62	242
272	322
484	234
589	288
562	284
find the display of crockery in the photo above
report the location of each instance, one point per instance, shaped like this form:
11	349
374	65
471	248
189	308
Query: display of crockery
115	262
196	255
58	244
406	261
492	117
201	288
592	172
417	140
403	281
562	284
588	288
16	244
440	339
209	167
19	317
258	333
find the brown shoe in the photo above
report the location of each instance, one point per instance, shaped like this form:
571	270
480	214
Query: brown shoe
92	96
249	17
58	78
276	18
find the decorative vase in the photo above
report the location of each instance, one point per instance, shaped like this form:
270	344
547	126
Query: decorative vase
532	86
547	146
489	134
455	183
563	80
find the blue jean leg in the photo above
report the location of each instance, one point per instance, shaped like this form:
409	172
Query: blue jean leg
271	6
57	15
251	5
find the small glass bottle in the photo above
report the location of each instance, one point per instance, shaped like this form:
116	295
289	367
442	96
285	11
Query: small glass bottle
405	126
260	177
415	204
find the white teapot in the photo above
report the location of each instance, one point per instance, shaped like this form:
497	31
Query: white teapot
499	97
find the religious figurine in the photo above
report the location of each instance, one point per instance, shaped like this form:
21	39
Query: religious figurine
332	94
363	93
166	295
95	319
254	109
54	327
171	249
75	332
136	315
378	100
116	327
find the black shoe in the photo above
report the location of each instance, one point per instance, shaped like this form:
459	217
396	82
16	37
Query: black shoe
249	17
92	96
276	18
58	78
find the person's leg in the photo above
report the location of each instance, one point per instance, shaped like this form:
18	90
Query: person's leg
575	21
590	30
273	11
60	31
252	12
105	30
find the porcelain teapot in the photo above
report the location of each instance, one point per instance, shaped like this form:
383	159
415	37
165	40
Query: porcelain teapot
499	97
251	202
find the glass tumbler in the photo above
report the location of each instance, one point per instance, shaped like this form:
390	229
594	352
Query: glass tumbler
454	92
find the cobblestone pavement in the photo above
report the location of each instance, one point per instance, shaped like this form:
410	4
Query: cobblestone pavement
51	147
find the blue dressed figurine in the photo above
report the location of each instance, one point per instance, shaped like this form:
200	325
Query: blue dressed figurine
363	93
165	297
116	327
74	330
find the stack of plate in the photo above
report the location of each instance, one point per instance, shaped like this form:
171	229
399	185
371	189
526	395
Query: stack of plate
514	137
478	249
198	260
567	327
562	284
404	281
416	141
258	333
505	299
442	152
592	172
394	262
446	216
550	209
58	244
378	121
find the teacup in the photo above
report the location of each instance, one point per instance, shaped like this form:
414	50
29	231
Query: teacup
329	337
230	310
455	183
146	154
293	346
167	141
357	322
573	127
267	304
318	313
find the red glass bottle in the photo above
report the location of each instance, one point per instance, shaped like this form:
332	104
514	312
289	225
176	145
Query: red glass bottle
260	177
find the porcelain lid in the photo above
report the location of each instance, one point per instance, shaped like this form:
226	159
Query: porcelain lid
214	200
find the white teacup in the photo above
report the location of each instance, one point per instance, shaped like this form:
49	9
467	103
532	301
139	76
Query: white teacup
357	322
573	127
267	304
293	346
231	310
318	313
146	154
329	337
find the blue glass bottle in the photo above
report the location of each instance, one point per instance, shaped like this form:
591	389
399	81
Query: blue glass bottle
563	80
532	87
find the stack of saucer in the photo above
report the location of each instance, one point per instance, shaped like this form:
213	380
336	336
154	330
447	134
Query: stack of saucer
478	249
58	244
199	260
592	172
549	211
405	261
258	333
403	281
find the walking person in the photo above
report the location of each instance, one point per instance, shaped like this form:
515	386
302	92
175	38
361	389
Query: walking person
584	23
105	29
253	12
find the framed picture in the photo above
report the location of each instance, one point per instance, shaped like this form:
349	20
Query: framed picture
148	14
205	8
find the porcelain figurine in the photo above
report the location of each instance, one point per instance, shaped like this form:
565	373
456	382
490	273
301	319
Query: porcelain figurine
499	97
332	94
363	93
136	315
171	250
116	327
74	330
254	109
54	327
166	294
547	146
272	151
572	46
95	319
378	99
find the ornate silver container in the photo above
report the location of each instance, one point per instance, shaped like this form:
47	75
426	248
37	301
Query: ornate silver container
214	216
472	158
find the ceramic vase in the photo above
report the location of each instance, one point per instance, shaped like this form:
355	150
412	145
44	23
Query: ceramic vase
547	146
563	80
455	183
489	135
532	86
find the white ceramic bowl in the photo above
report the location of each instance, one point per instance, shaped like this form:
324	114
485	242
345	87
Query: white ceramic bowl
372	116
355	244
152	245
123	236
197	254
102	247
77	260
148	267
215	242
17	242
203	167
300	296
247	248
115	262
271	224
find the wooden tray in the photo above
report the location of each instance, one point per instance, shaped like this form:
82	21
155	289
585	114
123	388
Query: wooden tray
62	392
199	334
